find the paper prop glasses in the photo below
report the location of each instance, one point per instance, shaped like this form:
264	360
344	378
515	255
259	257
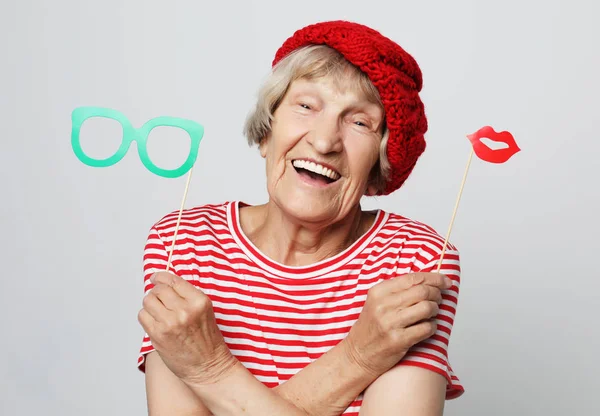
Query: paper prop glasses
138	135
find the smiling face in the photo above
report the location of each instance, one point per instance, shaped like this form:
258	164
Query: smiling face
324	143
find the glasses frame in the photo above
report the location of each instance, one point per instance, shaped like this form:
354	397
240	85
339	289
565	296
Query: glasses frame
138	135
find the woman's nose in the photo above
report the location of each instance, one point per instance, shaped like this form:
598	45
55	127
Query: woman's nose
326	136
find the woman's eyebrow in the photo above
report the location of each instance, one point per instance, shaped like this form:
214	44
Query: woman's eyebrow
369	109
303	92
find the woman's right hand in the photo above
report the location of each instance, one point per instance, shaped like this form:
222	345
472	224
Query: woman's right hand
397	314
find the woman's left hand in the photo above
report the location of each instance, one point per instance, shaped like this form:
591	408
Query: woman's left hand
181	324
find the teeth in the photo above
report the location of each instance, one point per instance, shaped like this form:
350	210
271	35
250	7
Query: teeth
316	168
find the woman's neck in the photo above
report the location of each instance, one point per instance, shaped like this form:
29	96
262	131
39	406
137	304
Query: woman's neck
295	244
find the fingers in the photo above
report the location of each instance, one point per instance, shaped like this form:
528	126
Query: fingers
418	294
422	311
168	297
408	297
161	301
181	286
414	279
179	295
435	279
420	332
417	304
146	320
153	306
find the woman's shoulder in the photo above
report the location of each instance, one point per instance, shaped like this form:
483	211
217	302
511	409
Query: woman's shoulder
212	215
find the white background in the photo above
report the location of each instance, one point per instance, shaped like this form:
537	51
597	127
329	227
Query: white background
526	338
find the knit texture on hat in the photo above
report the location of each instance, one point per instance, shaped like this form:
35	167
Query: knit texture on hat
395	74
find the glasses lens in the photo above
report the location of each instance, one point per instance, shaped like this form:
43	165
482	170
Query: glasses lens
168	147
100	137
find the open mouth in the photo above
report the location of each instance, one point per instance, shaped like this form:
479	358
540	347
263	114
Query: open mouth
315	171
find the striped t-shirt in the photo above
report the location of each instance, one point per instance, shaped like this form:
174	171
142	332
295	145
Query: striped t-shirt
276	319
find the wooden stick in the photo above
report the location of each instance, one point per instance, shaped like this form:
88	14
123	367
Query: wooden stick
187	186
462	185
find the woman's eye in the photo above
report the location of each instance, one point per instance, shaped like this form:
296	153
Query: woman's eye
360	123
305	106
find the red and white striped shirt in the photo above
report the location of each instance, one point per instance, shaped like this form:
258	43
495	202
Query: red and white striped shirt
276	319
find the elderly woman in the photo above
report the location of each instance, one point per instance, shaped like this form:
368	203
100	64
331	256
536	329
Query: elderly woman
307	304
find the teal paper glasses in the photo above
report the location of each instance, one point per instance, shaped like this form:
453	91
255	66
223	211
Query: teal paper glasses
139	135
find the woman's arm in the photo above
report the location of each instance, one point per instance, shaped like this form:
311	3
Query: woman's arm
405	390
239	392
166	394
422	394
418	385
327	386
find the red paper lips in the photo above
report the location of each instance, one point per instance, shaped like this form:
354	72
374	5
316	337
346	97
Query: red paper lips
493	155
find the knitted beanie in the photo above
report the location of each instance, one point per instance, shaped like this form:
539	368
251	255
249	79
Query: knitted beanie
394	73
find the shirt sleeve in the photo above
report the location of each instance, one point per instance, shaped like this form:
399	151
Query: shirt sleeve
432	353
154	260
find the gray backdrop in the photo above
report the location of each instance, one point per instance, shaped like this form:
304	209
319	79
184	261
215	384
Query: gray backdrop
525	340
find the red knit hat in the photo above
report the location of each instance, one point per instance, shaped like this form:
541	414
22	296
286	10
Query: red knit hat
395	74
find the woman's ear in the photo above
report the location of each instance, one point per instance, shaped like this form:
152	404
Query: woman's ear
263	145
371	190
374	181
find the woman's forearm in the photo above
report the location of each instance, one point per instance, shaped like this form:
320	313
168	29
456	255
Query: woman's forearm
326	387
240	393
